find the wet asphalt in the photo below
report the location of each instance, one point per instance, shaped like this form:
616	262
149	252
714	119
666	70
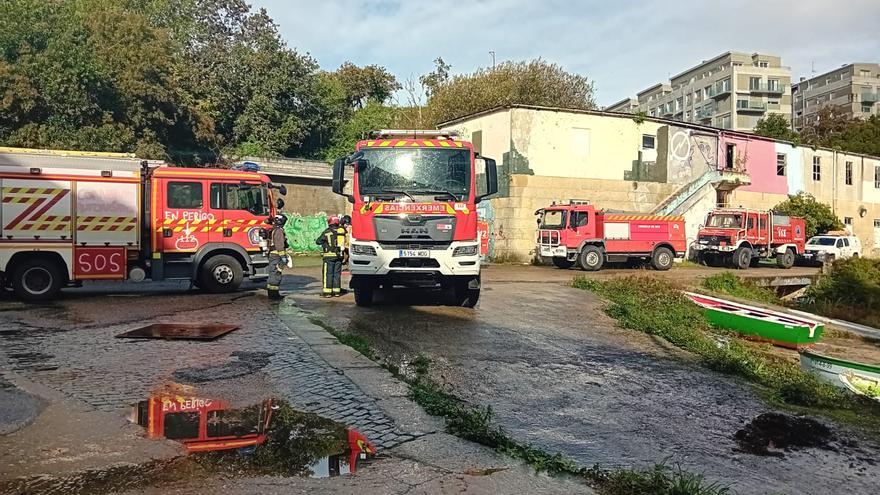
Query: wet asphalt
556	371
559	374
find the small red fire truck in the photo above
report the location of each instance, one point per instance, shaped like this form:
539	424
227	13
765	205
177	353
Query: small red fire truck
414	219
740	237
577	233
66	217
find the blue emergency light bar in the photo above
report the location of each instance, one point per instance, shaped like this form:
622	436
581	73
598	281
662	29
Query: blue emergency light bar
249	167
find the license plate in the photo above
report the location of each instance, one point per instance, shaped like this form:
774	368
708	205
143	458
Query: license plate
415	253
808	255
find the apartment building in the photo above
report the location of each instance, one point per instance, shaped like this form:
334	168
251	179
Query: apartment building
854	88
730	91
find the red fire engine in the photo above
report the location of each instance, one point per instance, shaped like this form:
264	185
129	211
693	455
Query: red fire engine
741	237
578	233
66	217
414	219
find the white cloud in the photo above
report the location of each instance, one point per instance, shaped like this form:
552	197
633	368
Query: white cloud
624	46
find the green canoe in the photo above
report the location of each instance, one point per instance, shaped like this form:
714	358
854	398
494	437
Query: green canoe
778	328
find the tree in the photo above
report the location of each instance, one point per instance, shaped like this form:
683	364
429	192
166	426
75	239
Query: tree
830	120
434	79
776	126
819	217
373	116
537	82
366	84
858	136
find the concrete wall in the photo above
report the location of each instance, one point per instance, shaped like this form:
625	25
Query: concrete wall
308	197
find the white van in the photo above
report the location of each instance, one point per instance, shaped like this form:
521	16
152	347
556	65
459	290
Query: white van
832	247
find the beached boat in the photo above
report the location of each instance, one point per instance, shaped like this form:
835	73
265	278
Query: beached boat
831	368
778	328
862	385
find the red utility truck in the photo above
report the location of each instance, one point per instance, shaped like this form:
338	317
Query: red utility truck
414	214
577	233
66	217
741	237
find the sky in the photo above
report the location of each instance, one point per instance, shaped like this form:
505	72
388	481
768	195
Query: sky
623	46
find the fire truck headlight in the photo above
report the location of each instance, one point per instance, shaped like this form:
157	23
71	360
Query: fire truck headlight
465	250
363	250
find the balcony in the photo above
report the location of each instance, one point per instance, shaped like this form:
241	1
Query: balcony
667	112
718	92
868	97
776	89
705	113
751	106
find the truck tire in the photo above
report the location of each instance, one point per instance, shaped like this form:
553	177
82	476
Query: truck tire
464	295
221	273
563	263
37	280
591	258
786	259
742	258
662	259
363	296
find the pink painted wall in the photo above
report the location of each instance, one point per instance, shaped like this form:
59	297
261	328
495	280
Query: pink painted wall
759	158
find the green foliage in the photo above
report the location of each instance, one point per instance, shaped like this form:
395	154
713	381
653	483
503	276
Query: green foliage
373	116
776	126
537	82
640	117
674	318
352	340
362	85
728	283
851	291
660	479
834	128
819	217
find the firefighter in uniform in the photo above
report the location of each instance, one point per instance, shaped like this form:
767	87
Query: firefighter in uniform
333	243
277	246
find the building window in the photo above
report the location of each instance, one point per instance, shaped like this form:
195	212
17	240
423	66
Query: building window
773	84
725	84
847	221
866	107
648	141
848	173
865	73
754	83
877	177
817	168
763	64
780	164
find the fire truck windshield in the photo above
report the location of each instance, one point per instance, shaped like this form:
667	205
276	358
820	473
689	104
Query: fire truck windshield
415	171
553	219
726	221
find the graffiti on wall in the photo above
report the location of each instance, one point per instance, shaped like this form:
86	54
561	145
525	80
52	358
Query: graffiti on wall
302	231
689	154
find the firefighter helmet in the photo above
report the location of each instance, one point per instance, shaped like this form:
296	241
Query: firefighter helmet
333	220
345	220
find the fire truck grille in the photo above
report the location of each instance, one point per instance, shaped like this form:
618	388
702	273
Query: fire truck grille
178	331
714	240
414	263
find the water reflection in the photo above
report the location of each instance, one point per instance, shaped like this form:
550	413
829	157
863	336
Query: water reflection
269	437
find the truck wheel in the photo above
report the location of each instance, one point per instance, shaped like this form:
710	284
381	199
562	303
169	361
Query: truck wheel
363	296
786	259
591	258
742	258
662	259
563	263
465	296
221	273
37	280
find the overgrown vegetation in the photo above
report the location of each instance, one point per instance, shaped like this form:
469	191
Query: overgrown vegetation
818	217
850	292
673	317
730	284
661	479
833	127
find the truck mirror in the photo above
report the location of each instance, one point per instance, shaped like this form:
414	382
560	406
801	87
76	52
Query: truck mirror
279	203
282	189
491	179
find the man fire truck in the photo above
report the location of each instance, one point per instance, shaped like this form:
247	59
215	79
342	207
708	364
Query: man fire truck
741	237
577	233
414	219
66	217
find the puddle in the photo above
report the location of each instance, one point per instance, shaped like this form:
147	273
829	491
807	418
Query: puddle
178	331
268	438
773	434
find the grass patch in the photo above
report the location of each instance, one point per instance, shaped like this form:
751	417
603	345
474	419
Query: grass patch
354	341
658	480
673	317
850	292
732	285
